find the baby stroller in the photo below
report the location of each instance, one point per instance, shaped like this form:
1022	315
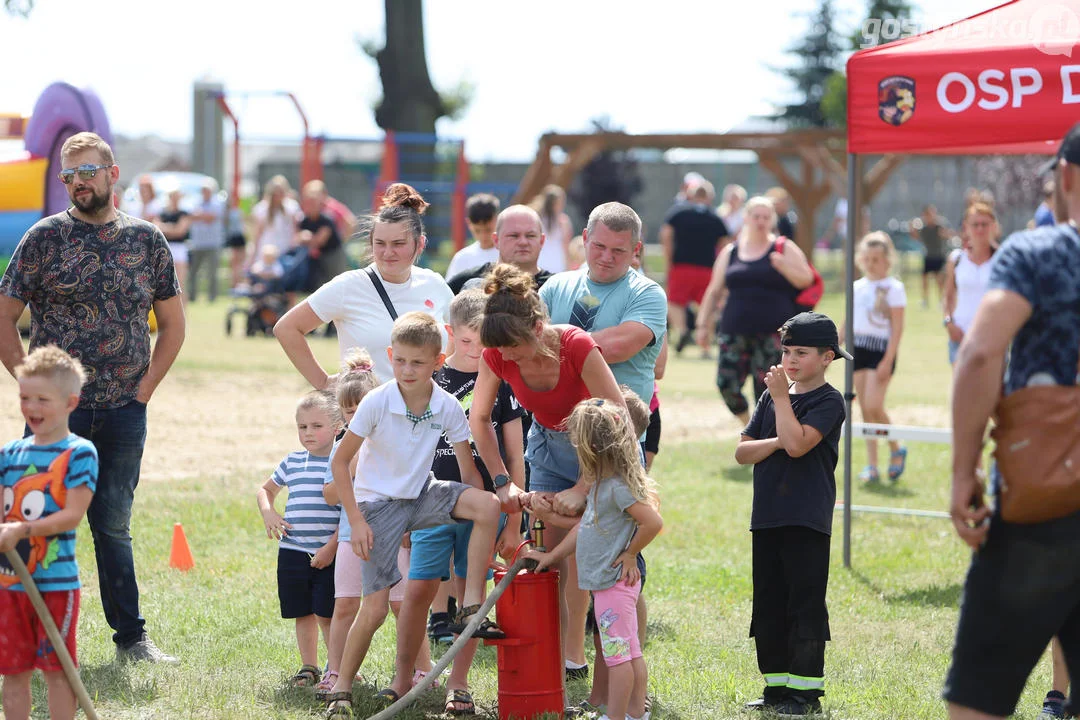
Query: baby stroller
261	304
265	299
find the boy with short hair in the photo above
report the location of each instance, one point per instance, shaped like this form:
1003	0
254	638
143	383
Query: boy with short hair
396	430
432	548
48	478
481	211
793	442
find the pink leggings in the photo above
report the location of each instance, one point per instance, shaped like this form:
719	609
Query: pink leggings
616	617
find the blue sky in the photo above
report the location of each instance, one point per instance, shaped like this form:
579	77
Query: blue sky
694	66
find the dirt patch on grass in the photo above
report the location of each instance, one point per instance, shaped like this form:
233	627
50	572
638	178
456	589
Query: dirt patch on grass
203	424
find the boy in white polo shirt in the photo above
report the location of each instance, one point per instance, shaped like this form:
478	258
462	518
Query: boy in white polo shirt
396	430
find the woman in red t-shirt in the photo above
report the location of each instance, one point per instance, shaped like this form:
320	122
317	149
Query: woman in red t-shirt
550	368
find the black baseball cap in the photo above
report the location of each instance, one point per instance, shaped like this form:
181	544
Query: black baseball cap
811	329
1069	151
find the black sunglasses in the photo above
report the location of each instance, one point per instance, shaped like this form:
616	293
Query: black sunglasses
86	172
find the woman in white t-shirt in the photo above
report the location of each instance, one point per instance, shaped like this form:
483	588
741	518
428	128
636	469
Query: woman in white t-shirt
967	273
558	231
352	302
275	218
879	304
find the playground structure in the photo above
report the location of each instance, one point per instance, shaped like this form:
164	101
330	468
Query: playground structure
28	189
821	155
435	166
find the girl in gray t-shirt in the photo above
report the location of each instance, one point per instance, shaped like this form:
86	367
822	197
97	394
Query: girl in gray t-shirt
620	520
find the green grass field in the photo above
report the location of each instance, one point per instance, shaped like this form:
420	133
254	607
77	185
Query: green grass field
893	614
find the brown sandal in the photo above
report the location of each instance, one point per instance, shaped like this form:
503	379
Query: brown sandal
457	697
339	706
487	630
307	676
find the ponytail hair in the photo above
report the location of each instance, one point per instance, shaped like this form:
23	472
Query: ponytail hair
357	377
512	310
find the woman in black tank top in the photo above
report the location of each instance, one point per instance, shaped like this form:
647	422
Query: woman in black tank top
762	282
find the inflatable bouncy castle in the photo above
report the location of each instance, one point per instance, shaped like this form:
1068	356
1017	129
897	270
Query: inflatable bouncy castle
29	189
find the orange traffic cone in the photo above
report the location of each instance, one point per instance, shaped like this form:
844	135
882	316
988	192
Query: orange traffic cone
180	555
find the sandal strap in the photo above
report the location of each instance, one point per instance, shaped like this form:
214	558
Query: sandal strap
466	612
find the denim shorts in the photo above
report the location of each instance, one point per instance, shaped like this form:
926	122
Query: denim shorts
1023	588
552	460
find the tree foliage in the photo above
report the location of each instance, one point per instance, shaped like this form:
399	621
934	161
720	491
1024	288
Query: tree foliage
1013	180
409	100
818	55
611	176
21	8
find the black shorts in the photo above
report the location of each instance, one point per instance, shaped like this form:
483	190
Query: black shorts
235	240
1021	590
868	359
932	264
652	433
302	589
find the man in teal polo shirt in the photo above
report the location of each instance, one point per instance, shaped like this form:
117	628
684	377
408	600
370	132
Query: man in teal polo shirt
625	312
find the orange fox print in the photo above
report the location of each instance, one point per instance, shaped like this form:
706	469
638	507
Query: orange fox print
25	501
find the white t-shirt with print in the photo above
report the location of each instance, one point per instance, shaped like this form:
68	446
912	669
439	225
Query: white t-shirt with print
395	460
873	301
351	302
469	257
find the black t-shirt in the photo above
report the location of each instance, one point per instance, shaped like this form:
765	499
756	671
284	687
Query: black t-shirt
172	217
798	491
697	230
334	242
459	281
460	385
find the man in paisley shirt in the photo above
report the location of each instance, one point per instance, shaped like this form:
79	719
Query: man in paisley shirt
90	276
1023	584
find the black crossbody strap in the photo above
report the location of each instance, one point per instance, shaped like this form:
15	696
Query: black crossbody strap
382	291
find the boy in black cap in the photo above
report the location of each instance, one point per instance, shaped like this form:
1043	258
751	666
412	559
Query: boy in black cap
793	442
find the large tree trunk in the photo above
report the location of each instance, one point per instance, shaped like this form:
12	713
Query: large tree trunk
410	102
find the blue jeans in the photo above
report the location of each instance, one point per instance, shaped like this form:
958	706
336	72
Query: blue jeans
119	435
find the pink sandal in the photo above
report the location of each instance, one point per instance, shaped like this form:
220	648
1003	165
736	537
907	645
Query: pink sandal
326	685
419	676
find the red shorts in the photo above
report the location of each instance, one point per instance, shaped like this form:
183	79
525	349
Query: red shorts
687	283
26	645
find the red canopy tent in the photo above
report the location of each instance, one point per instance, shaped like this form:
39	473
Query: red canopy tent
1000	82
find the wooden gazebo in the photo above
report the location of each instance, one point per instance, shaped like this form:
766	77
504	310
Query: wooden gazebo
822	158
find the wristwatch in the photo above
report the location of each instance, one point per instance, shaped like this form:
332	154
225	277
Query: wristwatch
500	480
947	321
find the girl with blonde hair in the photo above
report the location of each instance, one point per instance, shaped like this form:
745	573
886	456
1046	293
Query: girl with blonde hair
879	302
620	520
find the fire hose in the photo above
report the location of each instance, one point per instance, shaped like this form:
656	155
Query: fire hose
410	697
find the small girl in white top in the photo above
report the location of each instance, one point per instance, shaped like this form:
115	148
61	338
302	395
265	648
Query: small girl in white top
879	323
967	273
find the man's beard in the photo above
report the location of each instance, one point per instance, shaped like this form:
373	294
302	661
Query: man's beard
95	202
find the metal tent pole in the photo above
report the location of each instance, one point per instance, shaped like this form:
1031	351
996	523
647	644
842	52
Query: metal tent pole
854	211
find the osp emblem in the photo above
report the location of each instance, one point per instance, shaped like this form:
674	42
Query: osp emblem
896	99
